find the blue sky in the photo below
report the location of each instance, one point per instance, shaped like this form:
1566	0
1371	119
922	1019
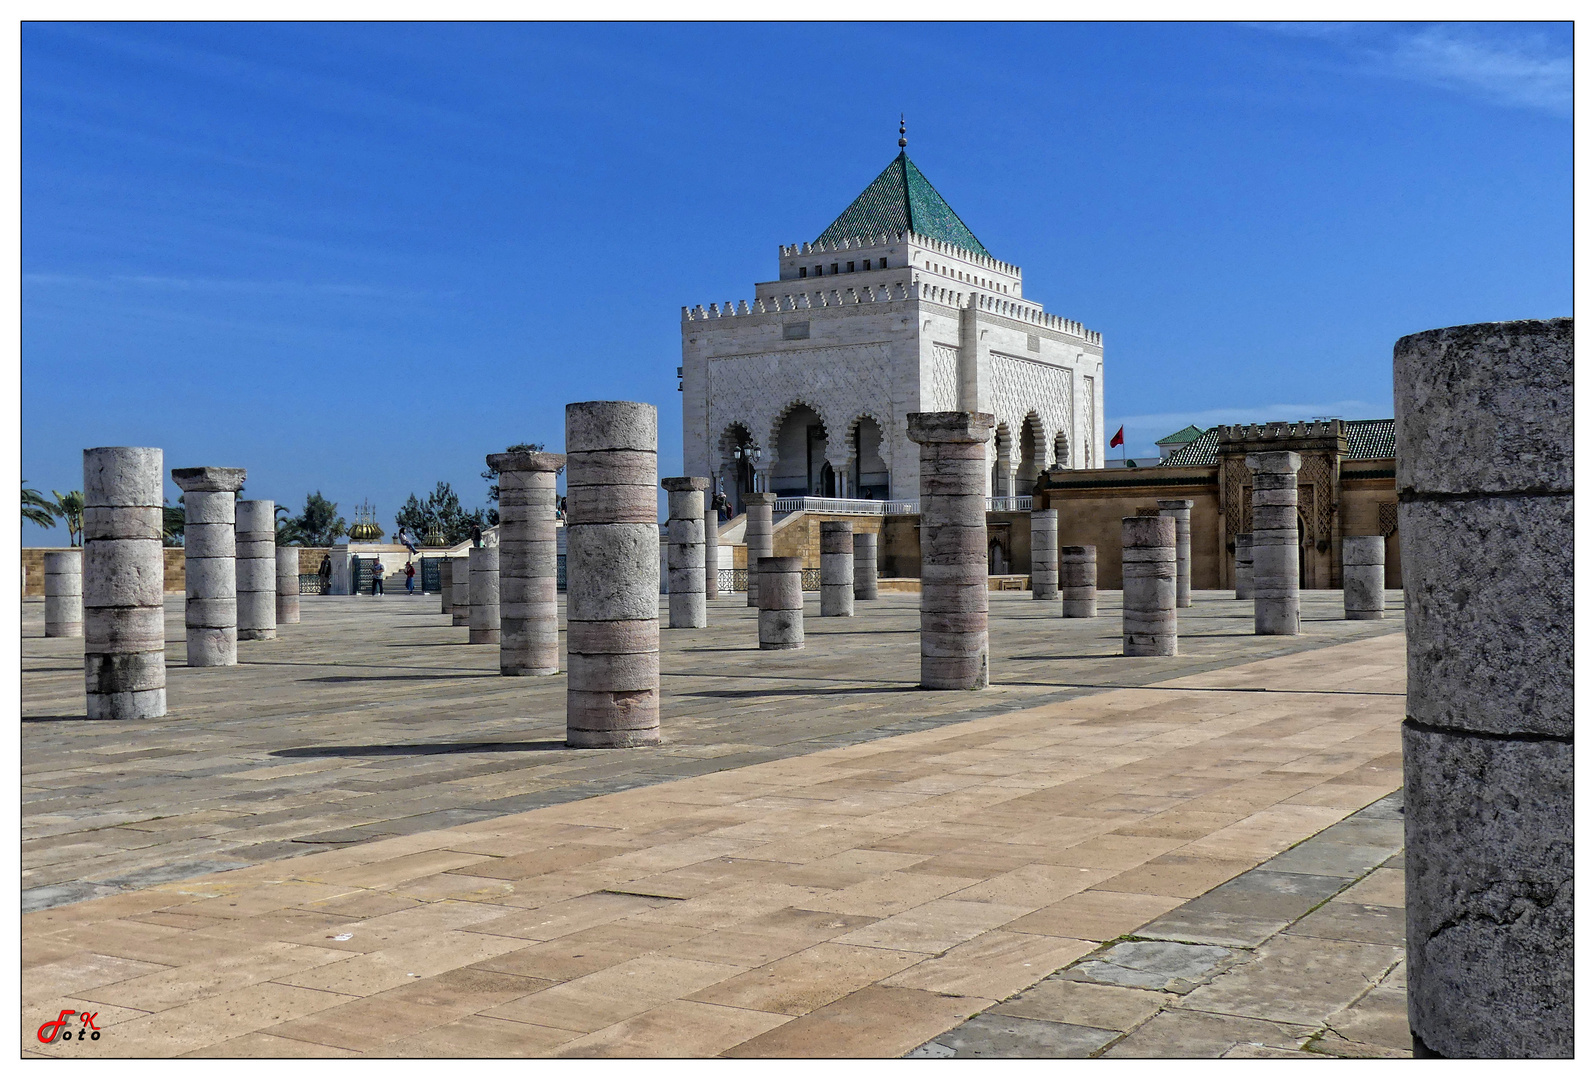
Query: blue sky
358	258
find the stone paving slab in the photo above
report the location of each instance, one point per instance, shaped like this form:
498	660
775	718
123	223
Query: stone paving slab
373	718
1274	963
861	900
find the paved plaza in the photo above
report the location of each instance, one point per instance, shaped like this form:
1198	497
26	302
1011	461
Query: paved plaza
362	840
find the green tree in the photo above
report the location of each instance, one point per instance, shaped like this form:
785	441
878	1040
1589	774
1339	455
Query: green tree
492	475
70	508
37	509
319	524
173	518
288	532
441	511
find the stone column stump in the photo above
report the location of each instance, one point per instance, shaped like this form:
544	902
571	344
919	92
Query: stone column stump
1077	581
210	568
124	577
711	549
866	573
63	593
287	584
1276	565
758	535
1484	474
836	569
446	578
686	552
1180	511
612	574
257	569
954	646
1151	576
1362	576
1243	566
484	624
1043	555
781	602
528	562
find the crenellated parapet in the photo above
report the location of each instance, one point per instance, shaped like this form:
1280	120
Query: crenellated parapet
1281	429
860	243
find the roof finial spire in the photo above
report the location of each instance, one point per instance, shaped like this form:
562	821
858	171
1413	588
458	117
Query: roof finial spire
902	130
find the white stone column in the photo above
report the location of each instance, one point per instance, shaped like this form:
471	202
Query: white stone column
63	593
866	573
1362	576
711	547
124	579
1180	511
781	603
1151	574
1243	566
1276	566
460	591
612	574
210	608
954	645
257	569
836	568
483	568
758	535
688	604
1077	581
528	562
446	577
1043	555
1485	430
287	584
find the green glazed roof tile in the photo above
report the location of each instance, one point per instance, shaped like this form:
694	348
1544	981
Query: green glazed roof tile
900	199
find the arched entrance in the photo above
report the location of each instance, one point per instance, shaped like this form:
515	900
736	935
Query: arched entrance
800	467
1001	468
737	476
871	479
1032	454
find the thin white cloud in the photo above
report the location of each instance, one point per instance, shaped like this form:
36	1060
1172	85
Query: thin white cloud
1520	65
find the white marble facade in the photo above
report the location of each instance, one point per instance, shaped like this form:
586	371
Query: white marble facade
856	334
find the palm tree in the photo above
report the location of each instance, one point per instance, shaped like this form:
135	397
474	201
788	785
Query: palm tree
70	507
37	509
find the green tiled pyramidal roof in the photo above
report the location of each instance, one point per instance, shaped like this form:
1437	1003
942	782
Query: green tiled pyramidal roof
1365	440
900	199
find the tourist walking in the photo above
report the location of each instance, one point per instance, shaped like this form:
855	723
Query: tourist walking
376	579
409	579
324	572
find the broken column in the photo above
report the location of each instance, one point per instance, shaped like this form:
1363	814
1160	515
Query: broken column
612	574
866	575
1077	581
528	562
287	584
446	579
836	568
1243	566
685	553
124	577
1276	567
63	593
954	648
1484	474
1362	576
483	563
1043	555
1180	511
210	575
460	592
1151	576
758	535
781	602
257	569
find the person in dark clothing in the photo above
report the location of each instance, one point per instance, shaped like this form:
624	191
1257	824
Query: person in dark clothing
409	579
376	579
476	536
324	572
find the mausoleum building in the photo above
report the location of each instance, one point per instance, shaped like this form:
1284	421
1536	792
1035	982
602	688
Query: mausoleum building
895	308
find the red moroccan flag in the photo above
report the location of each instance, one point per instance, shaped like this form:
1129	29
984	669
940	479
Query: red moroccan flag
1117	440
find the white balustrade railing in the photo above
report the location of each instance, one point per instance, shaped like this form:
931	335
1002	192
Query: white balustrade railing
877	507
